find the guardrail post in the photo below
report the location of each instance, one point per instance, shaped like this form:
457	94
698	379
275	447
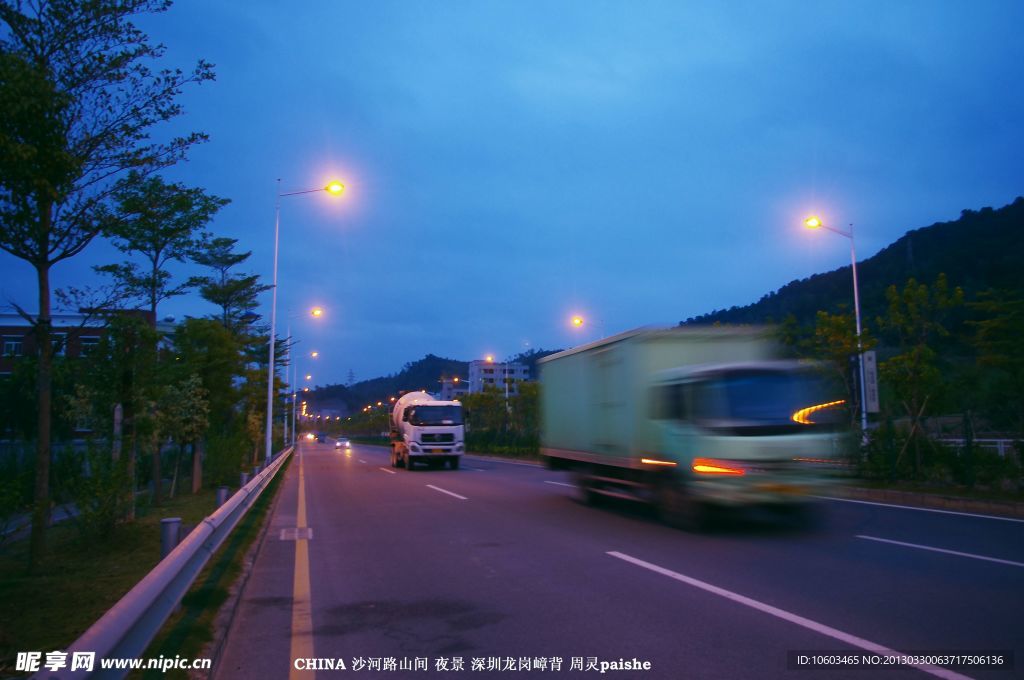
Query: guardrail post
243	479
170	534
256	469
222	495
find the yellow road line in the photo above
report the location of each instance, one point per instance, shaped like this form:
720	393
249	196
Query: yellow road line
302	603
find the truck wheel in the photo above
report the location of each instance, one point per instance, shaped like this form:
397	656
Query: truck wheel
586	489
677	509
453	462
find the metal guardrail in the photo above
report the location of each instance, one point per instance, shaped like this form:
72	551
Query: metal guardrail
128	627
1000	446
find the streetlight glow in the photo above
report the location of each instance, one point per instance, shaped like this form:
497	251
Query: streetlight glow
489	359
335	188
316	312
813	222
577	321
314	354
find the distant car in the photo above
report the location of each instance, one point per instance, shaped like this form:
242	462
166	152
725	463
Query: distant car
319	436
310	437
342	443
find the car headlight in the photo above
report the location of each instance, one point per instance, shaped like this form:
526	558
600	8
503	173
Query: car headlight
414	447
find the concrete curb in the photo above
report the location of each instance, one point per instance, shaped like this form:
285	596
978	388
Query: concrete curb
1013	509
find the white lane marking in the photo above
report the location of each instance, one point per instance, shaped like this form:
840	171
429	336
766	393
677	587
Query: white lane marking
437	488
390	472
362	461
911	507
571	486
821	628
942	550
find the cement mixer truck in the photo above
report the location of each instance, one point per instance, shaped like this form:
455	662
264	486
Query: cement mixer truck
426	430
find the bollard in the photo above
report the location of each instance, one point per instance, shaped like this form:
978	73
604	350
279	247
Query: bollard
170	533
222	495
243	479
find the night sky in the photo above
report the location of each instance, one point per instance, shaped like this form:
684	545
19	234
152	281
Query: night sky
509	164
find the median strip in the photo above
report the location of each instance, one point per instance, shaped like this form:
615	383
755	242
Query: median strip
821	628
437	488
942	550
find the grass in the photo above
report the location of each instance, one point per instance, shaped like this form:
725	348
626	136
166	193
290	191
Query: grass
187	632
79	580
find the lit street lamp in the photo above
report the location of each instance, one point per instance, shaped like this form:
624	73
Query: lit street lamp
814	222
578	322
335	188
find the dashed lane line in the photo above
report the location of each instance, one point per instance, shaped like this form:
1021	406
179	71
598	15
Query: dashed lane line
942	550
437	488
821	628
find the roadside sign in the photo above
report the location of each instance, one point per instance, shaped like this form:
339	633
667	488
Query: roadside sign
871	382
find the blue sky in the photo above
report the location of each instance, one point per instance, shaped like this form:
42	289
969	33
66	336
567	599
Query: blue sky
510	164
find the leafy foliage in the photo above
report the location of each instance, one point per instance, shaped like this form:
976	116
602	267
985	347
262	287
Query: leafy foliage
158	221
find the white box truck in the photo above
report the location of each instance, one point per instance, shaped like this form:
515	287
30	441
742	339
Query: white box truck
689	419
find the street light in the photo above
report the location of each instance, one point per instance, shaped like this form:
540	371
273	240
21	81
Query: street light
336	188
814	222
578	322
316	313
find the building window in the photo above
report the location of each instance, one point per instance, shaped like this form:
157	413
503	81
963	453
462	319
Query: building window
60	343
12	345
488	371
88	343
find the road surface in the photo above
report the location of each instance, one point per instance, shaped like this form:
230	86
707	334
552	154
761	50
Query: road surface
500	566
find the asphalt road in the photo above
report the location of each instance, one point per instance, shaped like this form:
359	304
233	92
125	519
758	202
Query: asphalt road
498	563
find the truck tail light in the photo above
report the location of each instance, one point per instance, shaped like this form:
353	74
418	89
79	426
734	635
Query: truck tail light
710	466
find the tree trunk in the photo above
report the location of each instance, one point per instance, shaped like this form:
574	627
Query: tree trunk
118	416
44	384
177	467
197	465
156	474
133	453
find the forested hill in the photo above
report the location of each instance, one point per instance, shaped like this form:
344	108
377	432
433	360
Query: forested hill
424	374
981	250
417	375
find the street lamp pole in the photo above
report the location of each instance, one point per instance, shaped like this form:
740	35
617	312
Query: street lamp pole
334	188
273	320
815	223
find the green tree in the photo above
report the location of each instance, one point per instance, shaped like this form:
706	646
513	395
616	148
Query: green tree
209	350
184	416
79	101
916	320
121	370
158	221
235	294
998	341
835	342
